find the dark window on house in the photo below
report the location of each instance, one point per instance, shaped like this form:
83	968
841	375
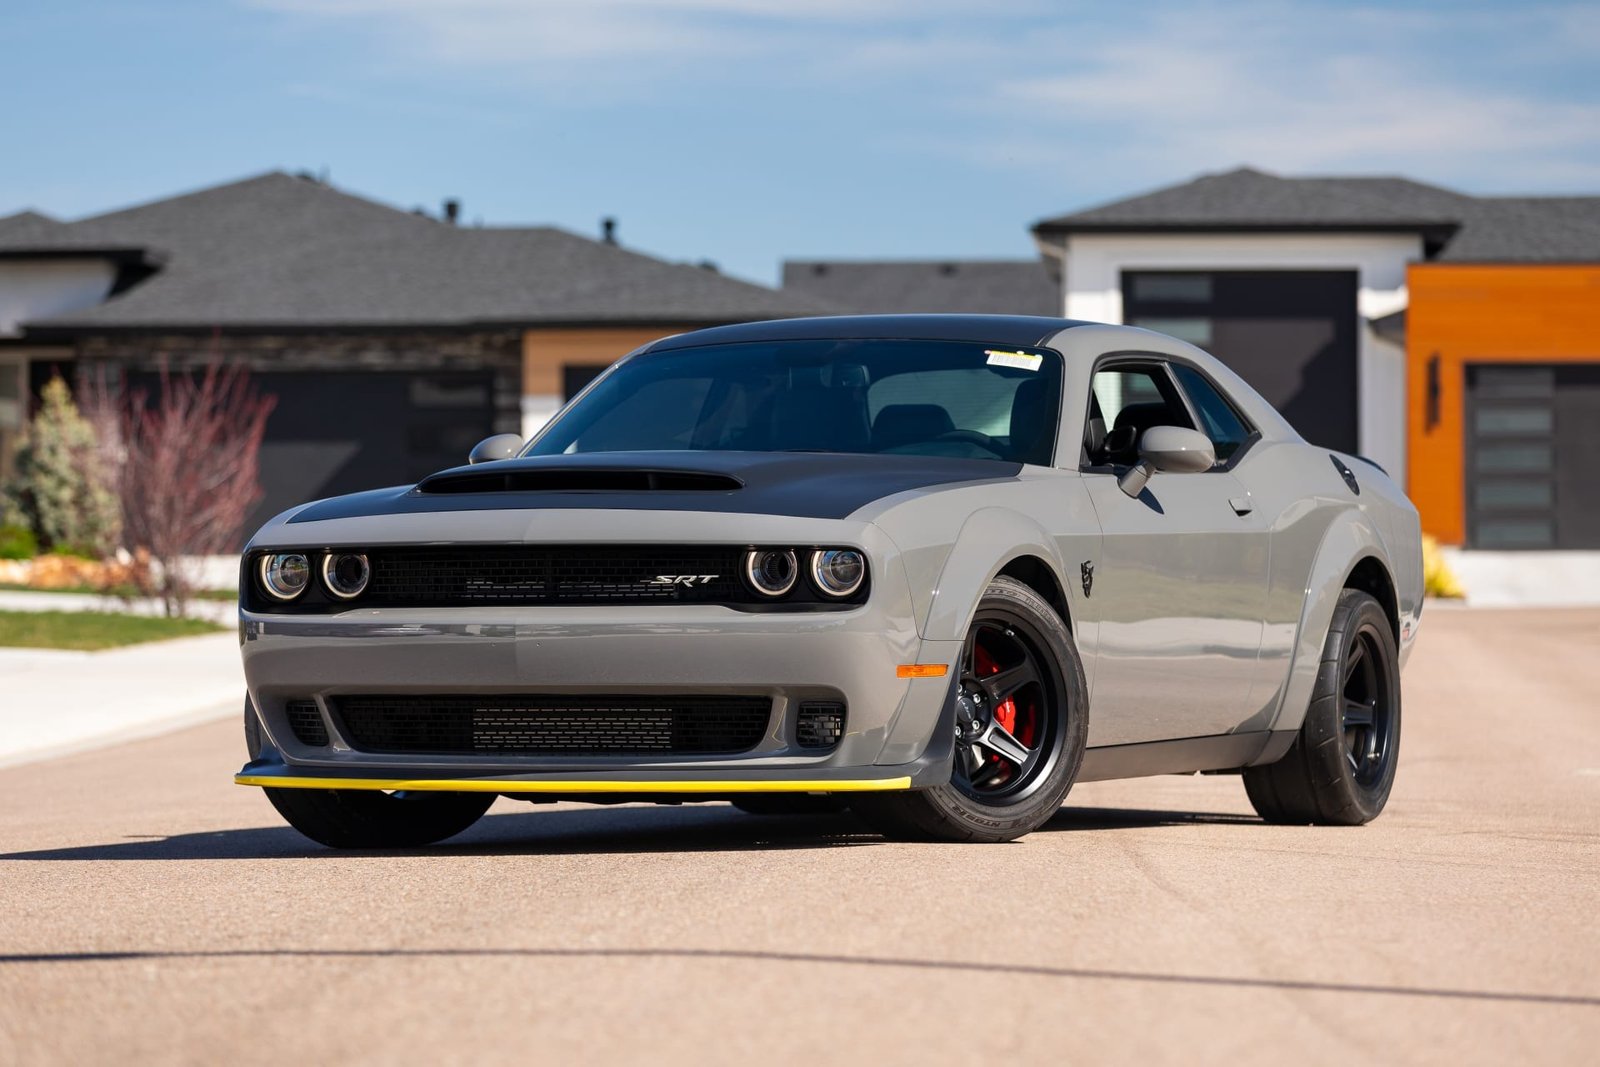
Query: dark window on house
574	376
1218	420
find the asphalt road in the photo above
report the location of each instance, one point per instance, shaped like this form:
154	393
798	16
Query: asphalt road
152	911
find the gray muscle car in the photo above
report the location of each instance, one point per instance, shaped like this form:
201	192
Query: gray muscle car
937	568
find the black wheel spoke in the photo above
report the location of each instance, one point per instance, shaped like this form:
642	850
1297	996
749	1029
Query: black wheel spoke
1358	655
1002	685
986	770
1358	714
1001	742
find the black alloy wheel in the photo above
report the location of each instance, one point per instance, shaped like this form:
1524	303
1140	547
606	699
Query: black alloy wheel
1004	733
1341	767
1020	714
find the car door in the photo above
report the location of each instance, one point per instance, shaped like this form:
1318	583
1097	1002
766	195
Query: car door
1181	581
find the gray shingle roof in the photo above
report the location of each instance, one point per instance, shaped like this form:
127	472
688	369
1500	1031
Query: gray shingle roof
282	251
1001	287
27	226
1459	228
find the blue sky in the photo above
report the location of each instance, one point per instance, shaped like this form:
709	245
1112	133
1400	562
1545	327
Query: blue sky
746	131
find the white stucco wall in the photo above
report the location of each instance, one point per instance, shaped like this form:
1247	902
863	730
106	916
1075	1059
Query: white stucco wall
38	288
1092	289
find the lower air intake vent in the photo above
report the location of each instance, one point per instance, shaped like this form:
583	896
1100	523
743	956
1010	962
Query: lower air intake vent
820	725
555	725
306	723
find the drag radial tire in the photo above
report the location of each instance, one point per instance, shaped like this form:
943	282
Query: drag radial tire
360	818
1341	766
1022	715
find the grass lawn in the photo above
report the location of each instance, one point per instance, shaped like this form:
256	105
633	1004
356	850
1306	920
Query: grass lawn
92	630
229	595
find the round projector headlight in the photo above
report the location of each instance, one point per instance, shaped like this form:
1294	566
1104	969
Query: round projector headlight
285	575
345	574
838	571
771	571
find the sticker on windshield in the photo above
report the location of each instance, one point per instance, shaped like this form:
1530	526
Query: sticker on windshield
1018	360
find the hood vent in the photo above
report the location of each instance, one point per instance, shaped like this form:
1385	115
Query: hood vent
578	480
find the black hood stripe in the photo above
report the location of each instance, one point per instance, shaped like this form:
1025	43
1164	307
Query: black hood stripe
804	485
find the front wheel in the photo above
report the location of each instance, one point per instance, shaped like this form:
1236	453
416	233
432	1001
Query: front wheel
1021	713
1341	766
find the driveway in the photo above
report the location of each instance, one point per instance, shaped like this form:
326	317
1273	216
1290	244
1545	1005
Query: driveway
150	910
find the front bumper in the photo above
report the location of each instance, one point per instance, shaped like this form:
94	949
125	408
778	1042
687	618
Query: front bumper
888	743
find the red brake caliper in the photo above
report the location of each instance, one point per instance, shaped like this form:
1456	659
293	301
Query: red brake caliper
1006	713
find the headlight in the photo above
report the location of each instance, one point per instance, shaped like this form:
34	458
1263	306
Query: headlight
771	571
345	574
838	572
285	575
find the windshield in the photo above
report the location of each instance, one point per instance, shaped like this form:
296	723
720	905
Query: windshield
917	398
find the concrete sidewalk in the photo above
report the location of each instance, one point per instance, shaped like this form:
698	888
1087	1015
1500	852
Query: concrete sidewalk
54	702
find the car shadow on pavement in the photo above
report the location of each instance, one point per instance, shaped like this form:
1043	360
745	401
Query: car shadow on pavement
597	830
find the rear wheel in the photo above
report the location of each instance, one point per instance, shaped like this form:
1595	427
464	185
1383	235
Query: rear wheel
1341	767
1021	721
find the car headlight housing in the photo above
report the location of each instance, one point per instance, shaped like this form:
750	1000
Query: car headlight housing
345	574
771	571
838	572
283	576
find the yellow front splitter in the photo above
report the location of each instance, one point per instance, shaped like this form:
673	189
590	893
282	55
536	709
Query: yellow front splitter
480	785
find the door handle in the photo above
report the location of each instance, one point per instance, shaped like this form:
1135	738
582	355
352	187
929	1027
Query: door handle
1241	505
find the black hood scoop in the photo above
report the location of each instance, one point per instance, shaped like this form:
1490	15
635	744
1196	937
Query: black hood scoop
577	480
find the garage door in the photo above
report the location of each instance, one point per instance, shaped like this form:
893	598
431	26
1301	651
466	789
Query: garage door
1533	437
1290	334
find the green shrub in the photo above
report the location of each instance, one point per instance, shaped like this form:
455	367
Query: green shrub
60	489
18	542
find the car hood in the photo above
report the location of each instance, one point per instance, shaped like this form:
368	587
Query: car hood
801	484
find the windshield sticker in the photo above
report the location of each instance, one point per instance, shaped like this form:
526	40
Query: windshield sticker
1019	360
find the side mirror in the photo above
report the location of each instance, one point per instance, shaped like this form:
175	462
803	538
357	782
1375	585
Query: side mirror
1168	448
500	446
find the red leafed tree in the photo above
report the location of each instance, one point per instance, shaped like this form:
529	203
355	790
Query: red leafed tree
190	470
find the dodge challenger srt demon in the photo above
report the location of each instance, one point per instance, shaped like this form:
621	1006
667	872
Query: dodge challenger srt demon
935	568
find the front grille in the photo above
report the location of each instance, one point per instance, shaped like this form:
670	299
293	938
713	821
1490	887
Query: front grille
494	574
555	725
819	725
305	721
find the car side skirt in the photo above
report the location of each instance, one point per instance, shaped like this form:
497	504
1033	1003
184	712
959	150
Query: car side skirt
1188	755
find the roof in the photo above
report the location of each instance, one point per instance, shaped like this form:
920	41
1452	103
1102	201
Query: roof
1456	227
278	251
26	226
1017	287
987	329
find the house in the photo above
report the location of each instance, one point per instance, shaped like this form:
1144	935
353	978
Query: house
1453	339
393	341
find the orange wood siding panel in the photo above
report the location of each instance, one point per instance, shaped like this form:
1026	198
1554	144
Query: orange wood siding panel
546	350
1466	314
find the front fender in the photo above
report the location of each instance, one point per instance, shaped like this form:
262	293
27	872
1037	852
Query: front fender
1349	538
989	539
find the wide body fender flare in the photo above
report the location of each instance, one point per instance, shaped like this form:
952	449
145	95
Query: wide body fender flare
1349	539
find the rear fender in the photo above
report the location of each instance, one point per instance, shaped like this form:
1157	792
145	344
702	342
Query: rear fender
1348	539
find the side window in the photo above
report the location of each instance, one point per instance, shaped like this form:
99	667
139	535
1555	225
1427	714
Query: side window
1124	403
1219	421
